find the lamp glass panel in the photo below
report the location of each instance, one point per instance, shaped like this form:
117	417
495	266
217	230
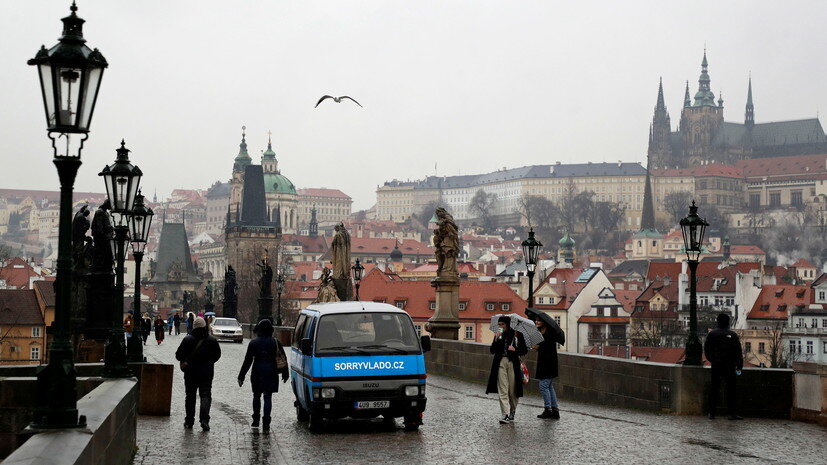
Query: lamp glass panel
137	226
45	71
132	190
91	85
68	94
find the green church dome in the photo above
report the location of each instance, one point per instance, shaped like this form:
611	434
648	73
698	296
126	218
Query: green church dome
566	241
278	184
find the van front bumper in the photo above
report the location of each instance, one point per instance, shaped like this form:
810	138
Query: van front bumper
340	408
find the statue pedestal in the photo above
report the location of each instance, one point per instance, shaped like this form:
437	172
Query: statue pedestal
100	288
228	309
445	322
265	309
343	289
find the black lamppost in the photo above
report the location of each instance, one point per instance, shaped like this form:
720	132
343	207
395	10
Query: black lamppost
357	269
140	221
122	179
531	248
693	228
70	76
279	290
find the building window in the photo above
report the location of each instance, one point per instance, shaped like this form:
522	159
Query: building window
557	320
775	199
506	307
754	200
541	300
748	347
35	353
36	331
463	305
400	304
418	329
822	295
796	198
489	307
810	347
433	305
824	349
815	323
469	332
762	348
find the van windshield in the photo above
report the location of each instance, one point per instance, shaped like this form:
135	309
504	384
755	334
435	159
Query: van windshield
366	334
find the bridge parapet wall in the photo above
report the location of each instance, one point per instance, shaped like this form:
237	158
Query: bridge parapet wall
810	400
626	383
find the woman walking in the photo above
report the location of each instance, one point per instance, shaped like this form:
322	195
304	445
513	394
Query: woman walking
190	320
261	354
506	376
160	329
547	370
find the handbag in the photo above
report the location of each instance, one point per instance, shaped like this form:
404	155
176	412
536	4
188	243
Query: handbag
185	363
524	368
281	357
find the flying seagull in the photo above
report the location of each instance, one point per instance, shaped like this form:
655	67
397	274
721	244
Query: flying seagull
336	99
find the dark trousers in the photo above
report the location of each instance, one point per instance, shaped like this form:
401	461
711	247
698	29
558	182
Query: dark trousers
268	405
177	328
170	330
727	375
204	389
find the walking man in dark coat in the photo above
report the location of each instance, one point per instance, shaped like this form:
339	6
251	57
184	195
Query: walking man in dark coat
506	376
176	321
198	353
261	355
547	370
723	350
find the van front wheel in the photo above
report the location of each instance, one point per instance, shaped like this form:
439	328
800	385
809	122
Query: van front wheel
412	422
316	422
301	413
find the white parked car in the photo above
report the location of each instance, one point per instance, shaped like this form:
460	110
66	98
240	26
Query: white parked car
228	329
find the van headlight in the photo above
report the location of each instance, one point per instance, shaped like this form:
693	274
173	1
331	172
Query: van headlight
328	393
411	391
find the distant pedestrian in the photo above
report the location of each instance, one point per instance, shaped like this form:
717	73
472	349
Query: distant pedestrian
547	370
261	354
190	322
169	324
176	321
198	353
128	325
160	326
146	326
506	376
723	350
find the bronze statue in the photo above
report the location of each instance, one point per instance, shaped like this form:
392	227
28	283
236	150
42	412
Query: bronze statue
208	292
266	279
327	289
446	244
82	251
102	234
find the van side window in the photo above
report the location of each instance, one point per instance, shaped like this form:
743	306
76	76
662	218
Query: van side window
297	333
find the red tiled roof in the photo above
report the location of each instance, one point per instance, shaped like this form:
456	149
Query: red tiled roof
565	286
316	192
776	168
820	279
52	196
19	307
775	301
418	296
803	263
745	249
17	272
672	355
719	170
746	267
603	319
309	244
627	298
671	172
432	267
46	290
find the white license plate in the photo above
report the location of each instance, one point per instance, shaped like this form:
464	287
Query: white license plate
366	404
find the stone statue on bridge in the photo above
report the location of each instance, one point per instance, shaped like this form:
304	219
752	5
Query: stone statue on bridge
327	290
230	301
266	280
446	245
102	234
340	258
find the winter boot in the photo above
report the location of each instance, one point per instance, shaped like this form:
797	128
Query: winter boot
546	414
255	421
266	424
555	414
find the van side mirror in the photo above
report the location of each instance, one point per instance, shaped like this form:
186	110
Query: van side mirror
426	343
307	346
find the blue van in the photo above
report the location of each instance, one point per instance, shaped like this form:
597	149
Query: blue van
358	360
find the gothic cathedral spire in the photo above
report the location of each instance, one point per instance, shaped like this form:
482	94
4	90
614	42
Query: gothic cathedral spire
749	116
687	100
660	149
704	97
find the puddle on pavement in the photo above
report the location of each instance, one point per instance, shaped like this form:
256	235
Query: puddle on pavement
709	445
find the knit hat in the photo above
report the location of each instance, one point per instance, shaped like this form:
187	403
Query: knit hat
505	319
199	323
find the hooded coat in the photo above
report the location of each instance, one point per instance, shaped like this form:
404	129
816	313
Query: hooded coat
500	347
547	366
723	348
261	355
200	362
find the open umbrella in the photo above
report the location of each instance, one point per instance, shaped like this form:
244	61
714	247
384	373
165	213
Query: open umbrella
551	323
525	326
209	314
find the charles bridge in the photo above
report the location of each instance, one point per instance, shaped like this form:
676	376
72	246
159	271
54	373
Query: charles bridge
612	410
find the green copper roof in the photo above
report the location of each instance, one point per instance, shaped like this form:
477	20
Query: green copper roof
648	233
566	242
243	158
269	153
278	184
704	97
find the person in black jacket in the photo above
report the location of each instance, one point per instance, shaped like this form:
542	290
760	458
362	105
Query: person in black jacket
547	370
198	351
506	376
261	355
723	350
146	327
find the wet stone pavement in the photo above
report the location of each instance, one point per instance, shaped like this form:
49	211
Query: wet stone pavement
460	427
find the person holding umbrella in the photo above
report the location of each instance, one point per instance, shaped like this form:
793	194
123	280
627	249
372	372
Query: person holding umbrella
547	366
506	376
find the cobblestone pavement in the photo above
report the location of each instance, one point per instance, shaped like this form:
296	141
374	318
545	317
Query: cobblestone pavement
460	427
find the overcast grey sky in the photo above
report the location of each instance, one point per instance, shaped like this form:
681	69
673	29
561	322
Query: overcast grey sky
471	85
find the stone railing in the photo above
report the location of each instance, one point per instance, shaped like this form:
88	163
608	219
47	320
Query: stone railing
810	400
625	383
109	436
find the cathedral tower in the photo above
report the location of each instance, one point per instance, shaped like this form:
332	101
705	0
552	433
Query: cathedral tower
701	121
239	165
660	149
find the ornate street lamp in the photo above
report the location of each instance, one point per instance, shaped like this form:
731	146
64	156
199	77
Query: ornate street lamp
279	290
70	77
139	224
357	269
693	228
122	179
531	249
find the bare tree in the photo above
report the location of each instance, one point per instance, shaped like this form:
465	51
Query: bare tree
568	207
676	205
779	356
482	206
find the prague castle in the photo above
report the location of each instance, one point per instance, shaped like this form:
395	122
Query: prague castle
703	136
